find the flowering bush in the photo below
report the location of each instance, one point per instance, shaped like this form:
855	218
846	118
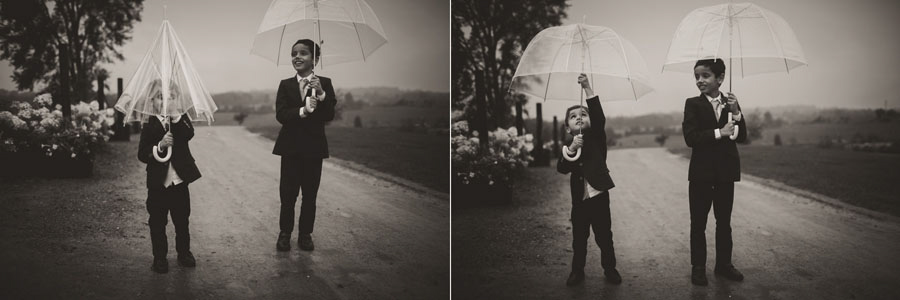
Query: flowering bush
37	127
506	153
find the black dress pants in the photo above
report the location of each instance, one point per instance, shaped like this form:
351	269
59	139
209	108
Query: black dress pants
719	196
592	213
174	200
299	173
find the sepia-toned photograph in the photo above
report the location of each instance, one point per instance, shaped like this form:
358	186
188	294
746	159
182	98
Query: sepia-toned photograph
675	149
455	149
240	149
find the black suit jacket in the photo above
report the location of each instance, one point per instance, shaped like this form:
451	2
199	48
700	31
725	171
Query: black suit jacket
591	166
302	136
182	160
712	160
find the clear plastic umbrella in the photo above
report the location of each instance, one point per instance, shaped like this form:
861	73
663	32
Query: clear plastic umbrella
347	30
752	39
554	58
166	84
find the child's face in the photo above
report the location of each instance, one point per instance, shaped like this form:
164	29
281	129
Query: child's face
156	99
707	81
577	120
302	58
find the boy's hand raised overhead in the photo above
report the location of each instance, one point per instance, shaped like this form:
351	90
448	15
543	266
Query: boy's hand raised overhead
586	85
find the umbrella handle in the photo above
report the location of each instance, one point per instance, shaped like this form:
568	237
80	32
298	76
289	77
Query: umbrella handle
566	155
736	128
168	153
162	159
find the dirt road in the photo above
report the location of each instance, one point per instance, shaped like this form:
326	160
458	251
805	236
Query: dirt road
788	247
374	239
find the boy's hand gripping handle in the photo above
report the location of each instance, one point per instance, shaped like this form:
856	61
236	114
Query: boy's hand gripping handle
168	151
735	133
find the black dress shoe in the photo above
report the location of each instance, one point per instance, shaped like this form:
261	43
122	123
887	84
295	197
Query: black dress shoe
698	276
729	272
612	276
187	260
284	241
305	242
160	265
575	278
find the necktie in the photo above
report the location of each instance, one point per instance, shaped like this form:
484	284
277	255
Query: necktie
303	83
716	108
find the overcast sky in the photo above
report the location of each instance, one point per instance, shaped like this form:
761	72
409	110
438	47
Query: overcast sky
218	33
853	50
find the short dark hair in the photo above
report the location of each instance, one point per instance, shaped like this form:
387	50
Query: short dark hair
716	65
310	44
566	117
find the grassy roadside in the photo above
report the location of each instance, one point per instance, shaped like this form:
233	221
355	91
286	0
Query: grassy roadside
864	179
418	157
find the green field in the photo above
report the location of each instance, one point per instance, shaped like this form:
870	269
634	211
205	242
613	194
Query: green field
863	179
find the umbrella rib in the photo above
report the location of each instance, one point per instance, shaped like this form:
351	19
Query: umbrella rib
584	49
719	44
553	62
663	69
778	42
547	86
567	55
700	40
627	69
359	41
361	14
280	42
740	11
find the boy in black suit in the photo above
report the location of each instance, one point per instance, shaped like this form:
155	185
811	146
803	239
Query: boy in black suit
303	104
715	166
590	182
167	182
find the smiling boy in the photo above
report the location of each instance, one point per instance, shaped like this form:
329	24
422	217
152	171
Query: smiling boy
303	104
715	166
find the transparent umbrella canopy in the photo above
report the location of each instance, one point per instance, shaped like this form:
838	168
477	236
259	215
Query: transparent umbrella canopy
166	83
554	58
753	40
346	30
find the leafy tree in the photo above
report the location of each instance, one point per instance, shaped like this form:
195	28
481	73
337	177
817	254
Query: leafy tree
34	32
488	37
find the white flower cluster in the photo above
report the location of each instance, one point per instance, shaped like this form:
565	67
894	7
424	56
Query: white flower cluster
37	126
506	151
